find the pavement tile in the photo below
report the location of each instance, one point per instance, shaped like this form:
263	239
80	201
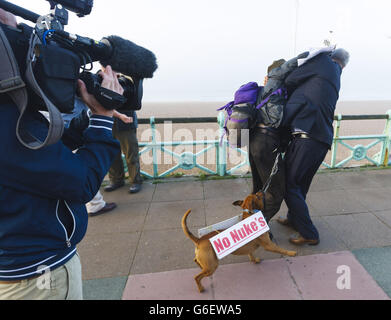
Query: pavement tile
107	255
382	178
163	250
351	180
164	215
329	240
316	277
334	202
325	182
232	189
104	289
375	199
127	217
377	261
170	285
360	230
185	190
384	216
267	280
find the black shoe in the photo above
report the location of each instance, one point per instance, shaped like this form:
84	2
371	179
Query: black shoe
114	186
108	207
135	187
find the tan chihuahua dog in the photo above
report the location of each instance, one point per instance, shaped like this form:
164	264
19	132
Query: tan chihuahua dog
205	257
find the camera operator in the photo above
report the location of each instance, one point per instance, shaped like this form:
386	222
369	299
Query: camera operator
42	197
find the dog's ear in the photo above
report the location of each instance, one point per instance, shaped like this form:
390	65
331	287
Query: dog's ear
238	203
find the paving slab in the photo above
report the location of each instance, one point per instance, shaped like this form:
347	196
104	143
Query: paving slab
166	215
127	217
351	180
329	240
107	255
170	285
382	178
163	250
360	230
267	280
232	189
104	289
384	216
317	278
375	199
181	190
325	182
377	261
333	202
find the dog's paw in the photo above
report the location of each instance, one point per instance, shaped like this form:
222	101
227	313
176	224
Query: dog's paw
256	260
201	289
292	253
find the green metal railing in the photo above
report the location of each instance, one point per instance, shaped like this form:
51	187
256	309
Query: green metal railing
189	160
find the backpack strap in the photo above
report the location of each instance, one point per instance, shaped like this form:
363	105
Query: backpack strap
10	80
11	83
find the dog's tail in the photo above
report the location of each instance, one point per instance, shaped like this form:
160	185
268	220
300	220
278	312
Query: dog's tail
186	230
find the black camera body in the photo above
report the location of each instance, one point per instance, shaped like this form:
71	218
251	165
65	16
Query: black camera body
129	100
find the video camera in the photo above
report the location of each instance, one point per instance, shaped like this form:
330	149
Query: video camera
58	57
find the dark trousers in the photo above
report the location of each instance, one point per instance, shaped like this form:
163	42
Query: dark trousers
262	157
129	147
302	159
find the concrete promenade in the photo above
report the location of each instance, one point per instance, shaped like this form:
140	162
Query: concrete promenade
139	251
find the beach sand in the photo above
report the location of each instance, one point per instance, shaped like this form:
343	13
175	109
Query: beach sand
196	131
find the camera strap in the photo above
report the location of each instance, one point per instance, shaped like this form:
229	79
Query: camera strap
11	83
56	122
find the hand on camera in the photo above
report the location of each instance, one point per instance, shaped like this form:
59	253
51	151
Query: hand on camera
110	82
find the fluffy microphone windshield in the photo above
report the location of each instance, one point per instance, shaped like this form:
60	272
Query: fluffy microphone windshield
129	58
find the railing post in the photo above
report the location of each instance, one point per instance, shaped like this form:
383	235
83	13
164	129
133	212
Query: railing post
221	151
335	142
154	147
387	142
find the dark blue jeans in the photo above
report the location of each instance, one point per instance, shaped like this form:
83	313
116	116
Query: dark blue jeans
302	159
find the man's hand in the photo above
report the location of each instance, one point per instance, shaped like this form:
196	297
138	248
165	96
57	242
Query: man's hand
123	117
7	18
110	81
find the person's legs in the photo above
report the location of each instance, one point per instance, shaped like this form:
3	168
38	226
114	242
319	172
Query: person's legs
132	157
96	204
262	147
302	159
116	171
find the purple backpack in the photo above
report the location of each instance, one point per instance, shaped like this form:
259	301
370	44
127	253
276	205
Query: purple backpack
243	112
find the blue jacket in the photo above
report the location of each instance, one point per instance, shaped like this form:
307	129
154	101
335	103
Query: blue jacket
43	192
314	89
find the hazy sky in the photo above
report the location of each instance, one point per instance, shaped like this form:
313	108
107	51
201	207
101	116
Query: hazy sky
207	48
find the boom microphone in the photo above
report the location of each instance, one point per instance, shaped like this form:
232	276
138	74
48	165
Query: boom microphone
129	58
122	55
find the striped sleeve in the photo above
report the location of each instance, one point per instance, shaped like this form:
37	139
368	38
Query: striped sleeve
101	122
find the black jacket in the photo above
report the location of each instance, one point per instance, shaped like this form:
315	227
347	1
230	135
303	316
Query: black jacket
313	90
